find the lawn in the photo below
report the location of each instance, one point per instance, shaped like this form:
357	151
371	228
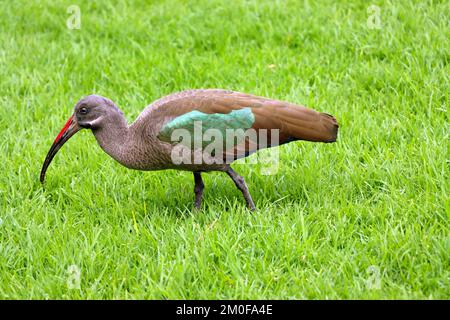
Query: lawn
364	218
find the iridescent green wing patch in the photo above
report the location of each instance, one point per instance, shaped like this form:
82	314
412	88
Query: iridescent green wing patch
196	123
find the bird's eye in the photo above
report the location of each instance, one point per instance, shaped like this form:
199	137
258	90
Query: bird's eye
83	110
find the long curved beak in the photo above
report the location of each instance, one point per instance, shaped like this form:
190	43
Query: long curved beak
70	128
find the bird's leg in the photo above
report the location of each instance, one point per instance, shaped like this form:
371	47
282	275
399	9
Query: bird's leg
198	189
240	184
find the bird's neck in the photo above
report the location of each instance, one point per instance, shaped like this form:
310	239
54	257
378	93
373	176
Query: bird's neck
114	138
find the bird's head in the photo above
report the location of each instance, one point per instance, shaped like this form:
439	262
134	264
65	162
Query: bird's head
91	112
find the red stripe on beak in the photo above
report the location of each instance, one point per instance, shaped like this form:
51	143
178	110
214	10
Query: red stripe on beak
64	129
70	128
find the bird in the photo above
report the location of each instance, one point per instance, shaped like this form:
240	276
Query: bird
177	131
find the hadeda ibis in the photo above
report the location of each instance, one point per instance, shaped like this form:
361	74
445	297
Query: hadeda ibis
154	140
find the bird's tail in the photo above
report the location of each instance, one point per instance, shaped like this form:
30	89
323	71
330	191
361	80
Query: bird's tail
302	123
330	127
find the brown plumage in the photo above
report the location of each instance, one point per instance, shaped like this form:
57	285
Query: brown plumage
140	145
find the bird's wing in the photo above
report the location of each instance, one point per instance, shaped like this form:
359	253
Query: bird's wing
227	110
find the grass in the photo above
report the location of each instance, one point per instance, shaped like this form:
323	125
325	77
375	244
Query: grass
364	218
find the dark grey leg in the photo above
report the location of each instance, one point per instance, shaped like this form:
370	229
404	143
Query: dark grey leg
240	184
198	189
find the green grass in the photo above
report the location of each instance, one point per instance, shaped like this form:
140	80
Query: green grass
366	217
